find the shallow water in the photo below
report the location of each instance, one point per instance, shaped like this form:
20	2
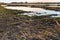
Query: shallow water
41	11
24	8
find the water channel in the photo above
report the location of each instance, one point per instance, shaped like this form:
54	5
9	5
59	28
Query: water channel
35	11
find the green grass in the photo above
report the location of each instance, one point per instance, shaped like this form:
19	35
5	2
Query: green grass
7	11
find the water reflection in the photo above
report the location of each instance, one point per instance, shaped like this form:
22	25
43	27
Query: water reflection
36	11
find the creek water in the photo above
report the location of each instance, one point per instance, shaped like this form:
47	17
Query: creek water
35	11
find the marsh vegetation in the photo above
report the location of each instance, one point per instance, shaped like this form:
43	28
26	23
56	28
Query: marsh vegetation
23	27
